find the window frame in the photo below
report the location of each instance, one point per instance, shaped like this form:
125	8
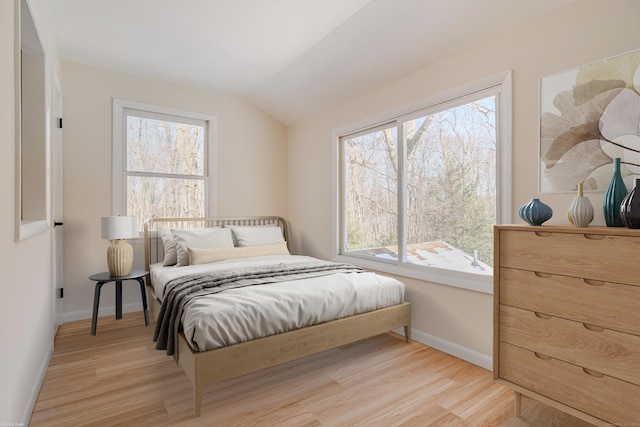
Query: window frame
120	173
498	85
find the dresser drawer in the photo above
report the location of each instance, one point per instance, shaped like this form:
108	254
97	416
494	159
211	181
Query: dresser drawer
603	397
610	352
612	258
610	305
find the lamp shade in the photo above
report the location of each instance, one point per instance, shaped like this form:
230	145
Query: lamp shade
118	227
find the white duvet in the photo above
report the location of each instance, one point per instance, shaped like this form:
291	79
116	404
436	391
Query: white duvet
242	314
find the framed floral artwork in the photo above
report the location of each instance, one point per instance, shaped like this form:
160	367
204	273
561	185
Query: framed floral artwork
589	116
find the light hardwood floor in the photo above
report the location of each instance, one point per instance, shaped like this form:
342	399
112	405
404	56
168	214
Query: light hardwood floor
118	378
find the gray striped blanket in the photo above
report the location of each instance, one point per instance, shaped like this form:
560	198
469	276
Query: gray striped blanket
179	292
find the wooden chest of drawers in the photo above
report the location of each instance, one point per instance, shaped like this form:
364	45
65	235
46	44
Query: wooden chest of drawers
567	319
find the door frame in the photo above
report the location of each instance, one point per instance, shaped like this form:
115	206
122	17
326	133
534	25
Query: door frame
57	232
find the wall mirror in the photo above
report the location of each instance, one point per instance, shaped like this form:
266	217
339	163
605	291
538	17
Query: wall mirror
31	126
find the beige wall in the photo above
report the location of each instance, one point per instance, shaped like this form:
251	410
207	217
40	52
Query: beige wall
251	171
583	32
256	164
26	318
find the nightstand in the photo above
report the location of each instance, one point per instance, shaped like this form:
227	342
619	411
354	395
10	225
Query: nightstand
102	278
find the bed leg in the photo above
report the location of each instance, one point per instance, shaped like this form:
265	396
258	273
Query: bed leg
518	403
407	333
197	400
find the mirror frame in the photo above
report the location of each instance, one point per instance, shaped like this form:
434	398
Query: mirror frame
32	141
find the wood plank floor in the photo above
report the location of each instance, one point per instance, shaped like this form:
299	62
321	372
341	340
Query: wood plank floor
118	378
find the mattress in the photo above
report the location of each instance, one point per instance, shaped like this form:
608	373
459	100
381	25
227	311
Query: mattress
242	314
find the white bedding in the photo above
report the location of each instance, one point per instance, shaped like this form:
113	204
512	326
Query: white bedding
242	314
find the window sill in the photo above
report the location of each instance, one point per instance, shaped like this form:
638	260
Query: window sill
471	282
28	229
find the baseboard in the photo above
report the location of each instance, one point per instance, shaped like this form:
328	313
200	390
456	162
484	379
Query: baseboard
102	311
35	390
451	348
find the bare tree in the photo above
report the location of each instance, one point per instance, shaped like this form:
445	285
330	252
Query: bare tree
450	181
164	162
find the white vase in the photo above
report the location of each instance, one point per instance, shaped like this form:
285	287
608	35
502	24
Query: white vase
581	210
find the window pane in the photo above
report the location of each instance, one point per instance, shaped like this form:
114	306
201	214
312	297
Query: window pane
451	187
164	146
371	180
152	197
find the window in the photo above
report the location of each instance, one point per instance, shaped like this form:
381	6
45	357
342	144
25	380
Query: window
421	189
162	162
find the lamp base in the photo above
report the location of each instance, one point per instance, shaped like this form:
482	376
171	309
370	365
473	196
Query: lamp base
120	258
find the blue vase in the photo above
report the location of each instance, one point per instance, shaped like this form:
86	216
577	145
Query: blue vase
616	192
535	212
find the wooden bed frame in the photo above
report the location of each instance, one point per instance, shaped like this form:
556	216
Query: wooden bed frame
209	367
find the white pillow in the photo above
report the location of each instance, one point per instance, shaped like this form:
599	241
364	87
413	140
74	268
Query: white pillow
201	238
257	236
208	255
169	244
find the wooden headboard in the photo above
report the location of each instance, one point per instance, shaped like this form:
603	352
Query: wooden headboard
154	251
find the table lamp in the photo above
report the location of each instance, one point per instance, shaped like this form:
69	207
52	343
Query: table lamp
119	253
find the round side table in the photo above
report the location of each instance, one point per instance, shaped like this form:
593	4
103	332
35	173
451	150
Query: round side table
102	278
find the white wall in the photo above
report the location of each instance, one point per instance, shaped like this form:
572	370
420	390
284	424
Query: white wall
252	167
581	33
26	324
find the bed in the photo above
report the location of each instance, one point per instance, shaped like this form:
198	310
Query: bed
225	308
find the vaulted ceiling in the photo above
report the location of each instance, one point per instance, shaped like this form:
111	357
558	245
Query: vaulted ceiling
292	58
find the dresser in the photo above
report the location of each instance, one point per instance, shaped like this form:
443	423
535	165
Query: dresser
567	319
